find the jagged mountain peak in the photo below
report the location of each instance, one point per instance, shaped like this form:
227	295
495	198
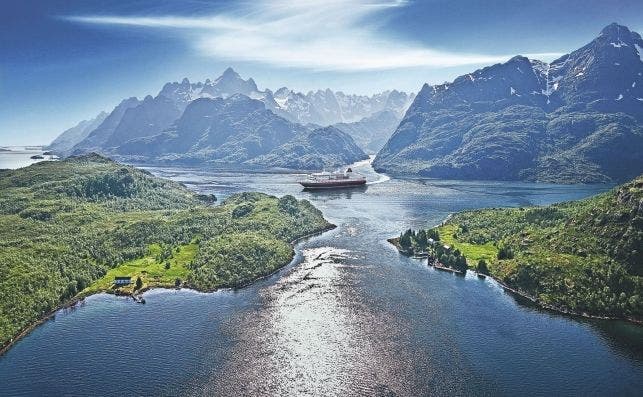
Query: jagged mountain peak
576	118
229	83
229	75
322	107
283	91
229	72
616	36
129	100
615	30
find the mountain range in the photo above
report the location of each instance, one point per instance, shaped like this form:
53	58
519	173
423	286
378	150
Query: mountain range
241	130
229	120
576	119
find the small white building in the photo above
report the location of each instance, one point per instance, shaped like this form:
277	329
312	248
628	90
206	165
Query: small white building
122	280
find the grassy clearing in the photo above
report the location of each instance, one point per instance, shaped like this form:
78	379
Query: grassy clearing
474	252
151	271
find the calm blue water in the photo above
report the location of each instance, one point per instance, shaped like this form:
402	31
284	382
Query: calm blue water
12	157
349	316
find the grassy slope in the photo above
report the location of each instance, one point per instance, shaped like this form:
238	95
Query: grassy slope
66	228
151	271
583	256
474	252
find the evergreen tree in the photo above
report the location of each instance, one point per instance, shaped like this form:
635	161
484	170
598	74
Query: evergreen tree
482	267
434	234
405	240
420	239
461	263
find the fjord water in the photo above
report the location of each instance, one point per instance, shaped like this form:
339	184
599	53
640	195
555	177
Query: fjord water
349	316
12	157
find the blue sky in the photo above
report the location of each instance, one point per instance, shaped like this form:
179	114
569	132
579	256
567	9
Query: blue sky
62	61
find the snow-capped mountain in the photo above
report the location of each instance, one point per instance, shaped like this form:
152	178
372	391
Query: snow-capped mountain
240	130
228	84
136	119
577	118
327	107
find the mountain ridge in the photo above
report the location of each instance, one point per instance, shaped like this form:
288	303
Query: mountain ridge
134	118
239	130
576	119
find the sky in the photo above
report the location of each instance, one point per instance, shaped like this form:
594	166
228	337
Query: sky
62	61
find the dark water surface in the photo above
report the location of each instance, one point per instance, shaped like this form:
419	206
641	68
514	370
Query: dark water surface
349	316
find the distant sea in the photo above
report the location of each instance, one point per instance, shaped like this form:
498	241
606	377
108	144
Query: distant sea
13	157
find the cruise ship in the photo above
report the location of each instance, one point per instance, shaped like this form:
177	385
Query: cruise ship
330	180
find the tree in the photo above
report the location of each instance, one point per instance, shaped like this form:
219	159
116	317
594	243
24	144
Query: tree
505	252
139	283
461	263
405	239
420	239
434	234
242	210
288	204
177	282
167	265
482	267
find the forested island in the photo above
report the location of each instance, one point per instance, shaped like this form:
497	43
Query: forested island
68	228
582	257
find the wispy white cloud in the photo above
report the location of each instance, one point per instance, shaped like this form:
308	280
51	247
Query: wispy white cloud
308	34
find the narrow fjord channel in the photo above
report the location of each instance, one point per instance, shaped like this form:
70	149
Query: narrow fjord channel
349	316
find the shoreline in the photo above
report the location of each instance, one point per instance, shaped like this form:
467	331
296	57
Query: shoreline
81	297
514	291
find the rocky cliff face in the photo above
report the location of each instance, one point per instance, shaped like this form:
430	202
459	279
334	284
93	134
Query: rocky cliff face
69	138
321	148
577	119
97	139
240	130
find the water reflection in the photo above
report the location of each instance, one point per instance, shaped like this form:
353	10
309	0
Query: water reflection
334	194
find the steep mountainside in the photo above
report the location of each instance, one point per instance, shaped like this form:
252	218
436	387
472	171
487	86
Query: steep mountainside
98	138
69	138
577	119
236	130
148	118
326	147
371	133
68	227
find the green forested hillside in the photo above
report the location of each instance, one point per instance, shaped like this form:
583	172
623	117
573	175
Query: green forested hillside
64	225
584	256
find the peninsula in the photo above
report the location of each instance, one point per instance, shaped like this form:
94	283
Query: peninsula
581	257
70	228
